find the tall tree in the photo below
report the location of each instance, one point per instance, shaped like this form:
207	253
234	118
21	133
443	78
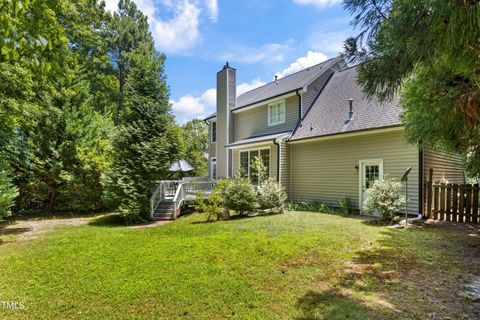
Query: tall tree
128	36
195	138
428	51
147	140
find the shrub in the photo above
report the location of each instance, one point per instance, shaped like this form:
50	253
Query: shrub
385	198
8	192
346	206
272	194
212	206
240	195
315	206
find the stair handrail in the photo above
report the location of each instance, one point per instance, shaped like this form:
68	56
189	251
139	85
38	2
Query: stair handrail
159	194
178	198
156	197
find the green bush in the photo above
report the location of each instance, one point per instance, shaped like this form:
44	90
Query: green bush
315	206
272	194
8	192
240	195
212	206
346	206
385	198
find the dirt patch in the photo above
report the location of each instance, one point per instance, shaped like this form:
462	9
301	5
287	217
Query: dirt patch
471	229
32	229
27	229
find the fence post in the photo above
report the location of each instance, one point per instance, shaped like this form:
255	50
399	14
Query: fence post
442	202
475	204
429	193
461	203
469	204
449	202
455	203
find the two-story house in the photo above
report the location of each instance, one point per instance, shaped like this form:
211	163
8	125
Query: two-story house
319	136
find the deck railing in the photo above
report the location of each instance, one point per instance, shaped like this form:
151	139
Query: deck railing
180	191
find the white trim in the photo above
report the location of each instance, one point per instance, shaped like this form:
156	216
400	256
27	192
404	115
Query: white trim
256	149
266	102
281	103
361	163
348	135
250	145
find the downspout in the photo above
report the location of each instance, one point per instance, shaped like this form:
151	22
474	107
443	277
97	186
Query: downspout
278	142
299	104
421	182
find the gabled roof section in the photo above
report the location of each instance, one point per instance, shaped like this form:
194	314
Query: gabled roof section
213	115
284	85
329	113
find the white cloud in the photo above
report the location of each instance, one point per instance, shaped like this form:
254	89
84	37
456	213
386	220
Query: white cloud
179	33
330	42
189	107
318	3
244	87
271	52
312	58
181	30
212	6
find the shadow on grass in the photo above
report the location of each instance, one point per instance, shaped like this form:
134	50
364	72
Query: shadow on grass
409	273
331	305
235	217
111	220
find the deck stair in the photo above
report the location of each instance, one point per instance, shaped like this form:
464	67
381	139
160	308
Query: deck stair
170	196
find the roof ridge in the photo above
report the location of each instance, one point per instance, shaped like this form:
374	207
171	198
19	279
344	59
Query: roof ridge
315	65
350	67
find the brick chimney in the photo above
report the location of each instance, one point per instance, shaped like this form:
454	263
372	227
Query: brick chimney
226	100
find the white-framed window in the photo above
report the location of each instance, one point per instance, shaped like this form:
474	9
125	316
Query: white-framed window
213	132
247	157
213	168
276	112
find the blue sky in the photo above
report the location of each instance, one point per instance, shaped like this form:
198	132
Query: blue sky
260	38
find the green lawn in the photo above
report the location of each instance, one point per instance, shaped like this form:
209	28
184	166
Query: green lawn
294	265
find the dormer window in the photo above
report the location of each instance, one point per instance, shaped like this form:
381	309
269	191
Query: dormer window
213	134
276	112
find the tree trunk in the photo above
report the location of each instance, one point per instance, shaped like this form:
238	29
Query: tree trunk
53	198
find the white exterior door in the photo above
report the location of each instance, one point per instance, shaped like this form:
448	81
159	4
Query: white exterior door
370	170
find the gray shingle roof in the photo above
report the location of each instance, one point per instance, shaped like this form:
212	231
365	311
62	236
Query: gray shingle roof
284	85
329	113
261	138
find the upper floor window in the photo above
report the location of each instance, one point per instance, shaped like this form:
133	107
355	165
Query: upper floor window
276	112
213	134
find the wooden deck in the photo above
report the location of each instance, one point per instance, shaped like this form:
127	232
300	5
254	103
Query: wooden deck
171	195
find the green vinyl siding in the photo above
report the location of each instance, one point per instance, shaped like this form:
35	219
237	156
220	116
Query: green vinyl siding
326	170
447	167
254	122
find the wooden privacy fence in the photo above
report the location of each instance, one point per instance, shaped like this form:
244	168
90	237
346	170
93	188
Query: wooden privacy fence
452	202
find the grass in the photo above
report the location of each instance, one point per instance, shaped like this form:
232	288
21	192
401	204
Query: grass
297	265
